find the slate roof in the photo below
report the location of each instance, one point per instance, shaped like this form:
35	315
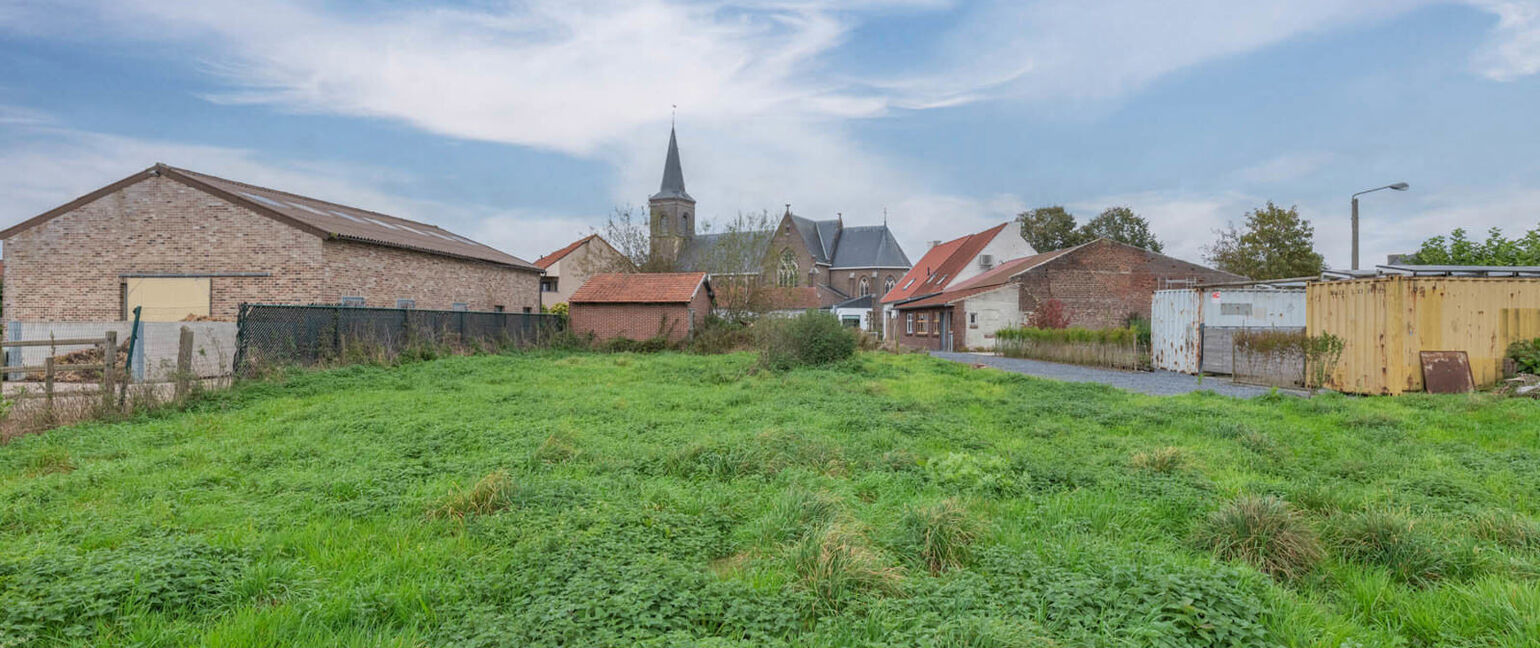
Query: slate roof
837	246
640	288
545	262
706	250
935	271
673	173
864	301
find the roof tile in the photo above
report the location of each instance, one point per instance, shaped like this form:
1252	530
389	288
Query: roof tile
640	288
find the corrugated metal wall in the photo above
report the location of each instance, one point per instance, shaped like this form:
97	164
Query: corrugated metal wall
1175	340
1386	322
1174	317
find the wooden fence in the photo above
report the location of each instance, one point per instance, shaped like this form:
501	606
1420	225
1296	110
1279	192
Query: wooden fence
112	384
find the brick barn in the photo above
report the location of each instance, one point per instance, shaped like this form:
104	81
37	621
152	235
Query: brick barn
641	306
1101	284
185	245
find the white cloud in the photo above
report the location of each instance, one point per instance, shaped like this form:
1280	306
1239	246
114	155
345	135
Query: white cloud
1514	50
1285	168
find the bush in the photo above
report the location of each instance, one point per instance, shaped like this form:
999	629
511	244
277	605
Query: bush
1264	531
813	338
1526	353
939	535
721	336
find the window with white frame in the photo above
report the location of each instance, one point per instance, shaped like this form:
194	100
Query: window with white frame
909	323
866	287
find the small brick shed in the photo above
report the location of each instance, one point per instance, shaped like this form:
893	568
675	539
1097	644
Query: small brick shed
641	306
185	244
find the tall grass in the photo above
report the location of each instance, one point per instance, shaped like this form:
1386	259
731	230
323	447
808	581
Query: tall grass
1119	348
587	499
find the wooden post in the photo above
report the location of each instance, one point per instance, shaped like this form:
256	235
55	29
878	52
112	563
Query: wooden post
48	384
109	366
184	363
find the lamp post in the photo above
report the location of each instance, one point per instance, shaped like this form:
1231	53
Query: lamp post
1399	186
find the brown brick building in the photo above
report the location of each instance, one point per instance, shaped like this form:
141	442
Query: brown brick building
181	244
641	306
1100	283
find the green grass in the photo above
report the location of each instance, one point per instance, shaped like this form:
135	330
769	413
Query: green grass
559	499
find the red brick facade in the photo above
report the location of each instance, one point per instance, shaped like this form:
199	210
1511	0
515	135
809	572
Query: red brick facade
925	332
1103	282
71	267
641	321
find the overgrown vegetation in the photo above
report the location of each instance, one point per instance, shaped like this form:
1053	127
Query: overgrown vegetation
572	498
1526	355
1112	347
810	339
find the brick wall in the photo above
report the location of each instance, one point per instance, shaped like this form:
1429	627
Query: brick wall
639	321
381	275
931	338
1103	283
70	268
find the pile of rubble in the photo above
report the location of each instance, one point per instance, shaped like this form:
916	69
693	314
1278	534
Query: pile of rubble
1521	385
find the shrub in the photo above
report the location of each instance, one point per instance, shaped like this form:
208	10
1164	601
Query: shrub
1161	460
558	309
1265	532
1049	315
813	338
939	535
1389	539
718	335
491	494
627	345
1526	354
838	562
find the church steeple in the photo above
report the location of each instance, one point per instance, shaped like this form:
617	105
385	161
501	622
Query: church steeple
673	173
672	209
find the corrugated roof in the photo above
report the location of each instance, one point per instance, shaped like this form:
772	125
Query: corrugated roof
545	262
640	288
344	222
940	265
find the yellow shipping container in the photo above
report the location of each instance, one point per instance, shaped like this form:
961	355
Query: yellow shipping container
1387	321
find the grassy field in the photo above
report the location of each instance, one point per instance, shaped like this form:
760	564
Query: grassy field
617	500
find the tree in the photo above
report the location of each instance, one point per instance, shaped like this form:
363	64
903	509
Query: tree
631	236
1049	228
1053	228
1123	225
1459	249
735	257
1275	244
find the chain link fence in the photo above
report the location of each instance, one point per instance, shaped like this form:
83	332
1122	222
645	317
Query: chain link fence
274	334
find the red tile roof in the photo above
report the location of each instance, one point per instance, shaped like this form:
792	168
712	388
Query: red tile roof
940	265
999	276
544	263
640	288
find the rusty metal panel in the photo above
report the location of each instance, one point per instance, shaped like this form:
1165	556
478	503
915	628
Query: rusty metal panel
1386	323
1174	319
1446	372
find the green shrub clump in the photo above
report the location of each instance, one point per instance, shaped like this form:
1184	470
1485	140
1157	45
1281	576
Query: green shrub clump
811	339
1526	353
1389	539
939	535
1264	531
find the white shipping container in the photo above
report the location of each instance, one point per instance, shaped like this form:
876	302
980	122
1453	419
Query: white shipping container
1184	322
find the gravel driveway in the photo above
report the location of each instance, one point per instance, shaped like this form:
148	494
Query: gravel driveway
1159	383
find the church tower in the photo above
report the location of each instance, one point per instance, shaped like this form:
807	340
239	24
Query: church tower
671	210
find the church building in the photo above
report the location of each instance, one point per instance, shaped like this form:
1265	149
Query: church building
812	263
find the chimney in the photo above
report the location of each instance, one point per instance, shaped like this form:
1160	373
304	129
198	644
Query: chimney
934	244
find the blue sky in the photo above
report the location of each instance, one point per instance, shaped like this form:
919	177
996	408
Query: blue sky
524	123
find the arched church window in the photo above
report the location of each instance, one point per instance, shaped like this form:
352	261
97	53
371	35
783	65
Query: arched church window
887	286
787	274
866	287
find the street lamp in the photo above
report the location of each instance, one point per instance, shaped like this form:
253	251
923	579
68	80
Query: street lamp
1399	186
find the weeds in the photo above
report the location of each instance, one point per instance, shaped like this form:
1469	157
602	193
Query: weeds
1390	539
488	495
1265	532
1165	460
939	536
837	563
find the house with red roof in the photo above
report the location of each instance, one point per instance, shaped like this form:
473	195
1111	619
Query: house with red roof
946	264
1101	285
569	267
641	306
